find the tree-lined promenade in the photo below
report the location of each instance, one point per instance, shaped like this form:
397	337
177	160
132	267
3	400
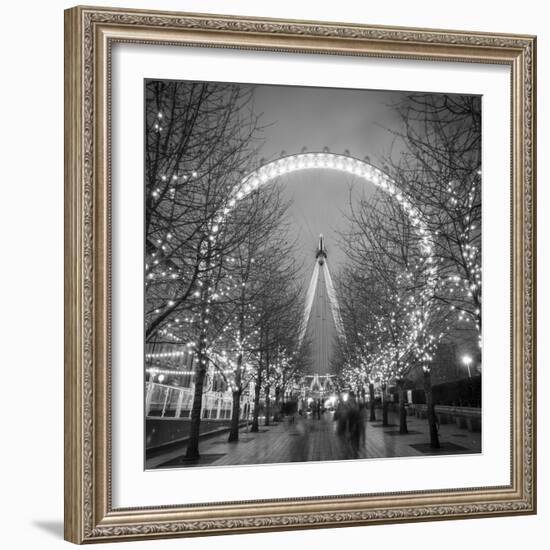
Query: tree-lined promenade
223	288
310	439
409	286
219	278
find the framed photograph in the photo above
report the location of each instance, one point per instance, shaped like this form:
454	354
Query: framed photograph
300	274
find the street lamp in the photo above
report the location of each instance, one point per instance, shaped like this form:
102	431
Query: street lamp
467	360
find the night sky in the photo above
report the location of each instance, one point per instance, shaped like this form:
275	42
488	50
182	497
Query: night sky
352	120
356	121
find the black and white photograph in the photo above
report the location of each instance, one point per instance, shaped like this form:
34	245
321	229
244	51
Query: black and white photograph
312	275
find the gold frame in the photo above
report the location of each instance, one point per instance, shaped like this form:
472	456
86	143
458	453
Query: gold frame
89	35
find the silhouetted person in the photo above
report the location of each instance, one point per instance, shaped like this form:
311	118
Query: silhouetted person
340	415
354	424
363	413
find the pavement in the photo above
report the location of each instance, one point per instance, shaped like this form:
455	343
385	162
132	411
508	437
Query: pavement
310	439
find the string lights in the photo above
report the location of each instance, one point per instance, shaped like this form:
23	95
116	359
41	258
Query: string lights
417	343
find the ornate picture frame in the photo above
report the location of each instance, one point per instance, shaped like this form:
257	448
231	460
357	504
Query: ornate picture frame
90	34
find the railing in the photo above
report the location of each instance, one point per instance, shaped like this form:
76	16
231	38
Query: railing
175	402
464	417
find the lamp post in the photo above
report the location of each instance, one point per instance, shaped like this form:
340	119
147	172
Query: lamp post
430	408
467	360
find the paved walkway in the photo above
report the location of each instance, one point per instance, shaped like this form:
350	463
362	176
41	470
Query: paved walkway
313	440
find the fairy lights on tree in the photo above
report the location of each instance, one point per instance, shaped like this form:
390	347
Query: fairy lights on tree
404	300
440	169
391	282
199	141
208	233
218	286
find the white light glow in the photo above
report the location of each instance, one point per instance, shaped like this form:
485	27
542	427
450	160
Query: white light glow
342	163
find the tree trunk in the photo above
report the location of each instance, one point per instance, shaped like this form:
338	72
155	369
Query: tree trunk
257	390
434	436
236	405
194	428
235	417
267	412
384	406
372	417
402	410
237	390
267	385
277	415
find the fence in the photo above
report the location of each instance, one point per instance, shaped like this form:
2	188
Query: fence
166	401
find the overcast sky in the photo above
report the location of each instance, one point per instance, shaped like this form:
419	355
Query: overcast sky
353	120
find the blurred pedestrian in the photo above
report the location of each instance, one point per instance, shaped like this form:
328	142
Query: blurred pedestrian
340	415
354	424
363	413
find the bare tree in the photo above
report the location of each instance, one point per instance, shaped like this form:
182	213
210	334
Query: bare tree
390	278
200	140
355	354
280	312
254	266
440	169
